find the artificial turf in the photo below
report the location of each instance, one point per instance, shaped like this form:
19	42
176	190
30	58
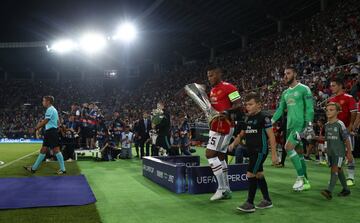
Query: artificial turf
124	195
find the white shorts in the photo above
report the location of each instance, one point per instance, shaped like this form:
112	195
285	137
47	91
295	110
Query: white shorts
321	147
219	142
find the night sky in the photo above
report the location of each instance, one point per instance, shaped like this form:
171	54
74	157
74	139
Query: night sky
166	28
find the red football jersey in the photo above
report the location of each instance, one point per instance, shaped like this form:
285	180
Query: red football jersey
348	105
222	95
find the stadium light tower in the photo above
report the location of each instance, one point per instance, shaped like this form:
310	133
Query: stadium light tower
92	43
126	32
62	46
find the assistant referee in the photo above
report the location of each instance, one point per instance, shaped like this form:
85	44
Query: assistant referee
51	136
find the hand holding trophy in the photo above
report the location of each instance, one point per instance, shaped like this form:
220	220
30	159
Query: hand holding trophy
218	122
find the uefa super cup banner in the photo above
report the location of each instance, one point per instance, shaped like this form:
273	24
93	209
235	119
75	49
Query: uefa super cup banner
168	175
202	180
181	160
20	140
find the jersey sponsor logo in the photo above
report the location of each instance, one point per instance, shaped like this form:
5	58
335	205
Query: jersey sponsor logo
251	131
290	102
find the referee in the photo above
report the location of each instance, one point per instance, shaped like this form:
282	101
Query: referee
51	136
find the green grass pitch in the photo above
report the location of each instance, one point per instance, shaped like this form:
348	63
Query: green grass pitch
124	195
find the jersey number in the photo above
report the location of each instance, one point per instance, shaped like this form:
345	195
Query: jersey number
212	141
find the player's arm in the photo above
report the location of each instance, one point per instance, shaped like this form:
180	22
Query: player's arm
357	122
352	121
41	124
346	138
353	111
348	150
280	110
270	133
237	140
234	97
271	136
309	106
48	115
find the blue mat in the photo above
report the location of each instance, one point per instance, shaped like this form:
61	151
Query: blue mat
50	191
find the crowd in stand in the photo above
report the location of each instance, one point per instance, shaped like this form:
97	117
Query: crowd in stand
325	45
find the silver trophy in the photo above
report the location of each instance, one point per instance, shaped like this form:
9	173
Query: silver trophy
198	94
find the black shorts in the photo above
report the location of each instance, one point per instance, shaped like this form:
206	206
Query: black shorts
256	161
163	141
51	138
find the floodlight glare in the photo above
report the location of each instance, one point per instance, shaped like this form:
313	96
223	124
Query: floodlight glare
126	32
92	43
63	46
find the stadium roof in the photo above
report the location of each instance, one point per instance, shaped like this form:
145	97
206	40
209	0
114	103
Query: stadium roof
182	27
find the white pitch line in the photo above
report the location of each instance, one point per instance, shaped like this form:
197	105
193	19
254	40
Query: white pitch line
14	161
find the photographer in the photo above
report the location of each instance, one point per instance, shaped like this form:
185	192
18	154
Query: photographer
184	137
92	125
107	151
117	128
127	139
71	130
84	126
175	144
152	140
101	132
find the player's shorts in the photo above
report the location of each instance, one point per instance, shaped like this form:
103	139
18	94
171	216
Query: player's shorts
219	142
336	161
291	136
256	161
51	138
164	142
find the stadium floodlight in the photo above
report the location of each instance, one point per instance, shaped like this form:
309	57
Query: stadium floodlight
92	43
126	32
62	46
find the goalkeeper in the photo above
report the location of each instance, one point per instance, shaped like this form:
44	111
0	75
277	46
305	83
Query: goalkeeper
298	101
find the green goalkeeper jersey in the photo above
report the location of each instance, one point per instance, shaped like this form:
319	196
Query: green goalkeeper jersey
299	104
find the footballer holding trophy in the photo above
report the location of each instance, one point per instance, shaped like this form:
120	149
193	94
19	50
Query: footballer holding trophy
223	102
